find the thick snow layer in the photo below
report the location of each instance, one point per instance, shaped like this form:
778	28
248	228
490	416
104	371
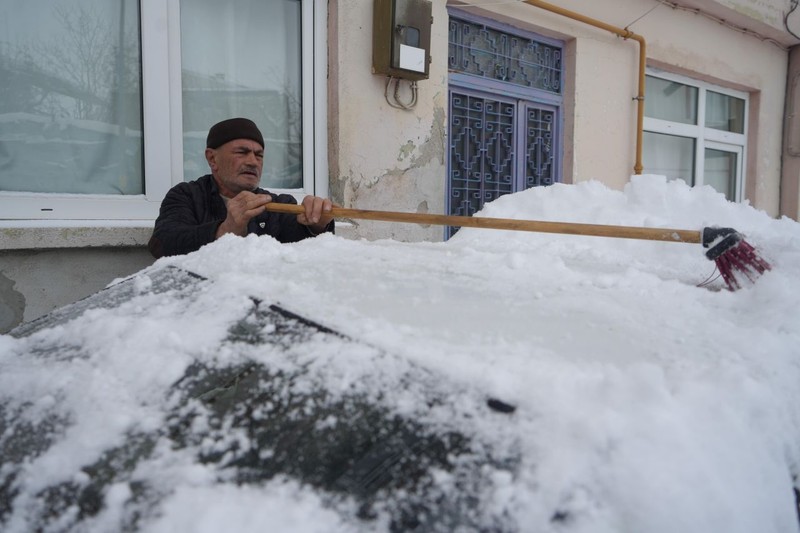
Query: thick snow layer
644	402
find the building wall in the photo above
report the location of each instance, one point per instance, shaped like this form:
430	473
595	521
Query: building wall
34	282
790	183
42	268
381	157
707	50
385	158
395	159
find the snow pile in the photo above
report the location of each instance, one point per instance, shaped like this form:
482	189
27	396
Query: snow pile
644	403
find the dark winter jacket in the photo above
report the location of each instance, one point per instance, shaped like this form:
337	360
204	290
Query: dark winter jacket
192	211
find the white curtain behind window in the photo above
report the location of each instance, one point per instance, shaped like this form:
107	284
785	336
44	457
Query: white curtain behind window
70	97
724	112
242	58
669	155
669	100
720	171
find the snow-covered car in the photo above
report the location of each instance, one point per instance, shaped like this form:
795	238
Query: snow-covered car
500	381
263	406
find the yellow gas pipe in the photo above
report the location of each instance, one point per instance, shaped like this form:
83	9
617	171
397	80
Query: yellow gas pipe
625	34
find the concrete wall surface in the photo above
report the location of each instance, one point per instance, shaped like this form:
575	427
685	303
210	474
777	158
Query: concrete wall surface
34	282
381	157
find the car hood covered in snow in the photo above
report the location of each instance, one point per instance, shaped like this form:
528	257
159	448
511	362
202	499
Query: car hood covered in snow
499	381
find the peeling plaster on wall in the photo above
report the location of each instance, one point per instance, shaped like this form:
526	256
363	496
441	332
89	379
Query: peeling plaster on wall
368	183
348	185
387	159
423	176
434	148
406	150
415	189
336	188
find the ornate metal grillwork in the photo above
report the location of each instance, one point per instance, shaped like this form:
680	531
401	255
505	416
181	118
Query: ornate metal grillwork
503	139
539	168
489	53
482	154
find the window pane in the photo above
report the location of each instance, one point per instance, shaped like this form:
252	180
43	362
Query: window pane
669	155
720	172
70	97
724	112
670	100
241	58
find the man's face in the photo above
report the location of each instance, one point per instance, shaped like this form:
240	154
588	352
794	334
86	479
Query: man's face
236	166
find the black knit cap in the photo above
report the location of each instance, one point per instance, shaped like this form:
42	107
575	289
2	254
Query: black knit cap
232	129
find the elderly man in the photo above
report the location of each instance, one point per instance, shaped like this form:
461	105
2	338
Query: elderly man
228	200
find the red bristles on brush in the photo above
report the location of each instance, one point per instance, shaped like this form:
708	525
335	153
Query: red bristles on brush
732	255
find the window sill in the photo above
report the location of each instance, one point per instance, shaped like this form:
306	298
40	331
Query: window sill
38	234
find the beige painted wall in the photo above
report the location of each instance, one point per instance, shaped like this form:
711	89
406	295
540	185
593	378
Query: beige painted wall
381	157
384	158
678	40
707	50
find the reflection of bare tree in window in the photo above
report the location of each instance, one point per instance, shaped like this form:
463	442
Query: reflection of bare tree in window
288	126
72	82
15	66
78	72
82	57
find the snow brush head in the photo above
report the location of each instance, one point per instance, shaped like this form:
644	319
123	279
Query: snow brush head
732	254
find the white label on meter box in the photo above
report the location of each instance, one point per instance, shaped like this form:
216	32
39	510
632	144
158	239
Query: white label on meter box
412	58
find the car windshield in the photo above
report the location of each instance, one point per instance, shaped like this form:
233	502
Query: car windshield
259	419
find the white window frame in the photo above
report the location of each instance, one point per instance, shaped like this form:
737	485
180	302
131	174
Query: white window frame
162	128
738	191
705	137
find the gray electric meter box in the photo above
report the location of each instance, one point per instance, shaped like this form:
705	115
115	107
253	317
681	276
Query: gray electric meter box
401	39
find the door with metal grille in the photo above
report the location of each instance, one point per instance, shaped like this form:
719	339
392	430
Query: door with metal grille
504	114
497	146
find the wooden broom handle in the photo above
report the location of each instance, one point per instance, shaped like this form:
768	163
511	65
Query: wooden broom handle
569	228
